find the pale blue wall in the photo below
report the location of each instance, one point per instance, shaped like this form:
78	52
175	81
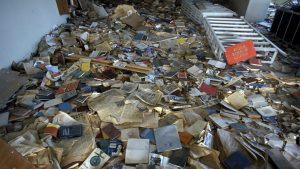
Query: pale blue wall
22	24
253	10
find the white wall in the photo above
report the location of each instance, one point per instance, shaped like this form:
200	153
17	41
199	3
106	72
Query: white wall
257	10
253	10
22	24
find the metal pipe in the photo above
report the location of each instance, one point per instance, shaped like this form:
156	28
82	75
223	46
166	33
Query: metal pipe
235	33
232	22
231	25
224	19
240	37
288	26
297	29
233	29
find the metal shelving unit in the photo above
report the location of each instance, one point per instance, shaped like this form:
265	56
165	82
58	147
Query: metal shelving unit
224	30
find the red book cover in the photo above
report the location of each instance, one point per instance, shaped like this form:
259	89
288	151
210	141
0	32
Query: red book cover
182	75
185	137
296	94
240	52
212	90
111	131
51	130
67	87
255	62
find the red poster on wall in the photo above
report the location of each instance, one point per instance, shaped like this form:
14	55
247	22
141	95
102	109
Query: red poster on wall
240	52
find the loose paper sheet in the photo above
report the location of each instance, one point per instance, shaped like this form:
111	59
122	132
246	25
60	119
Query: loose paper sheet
137	151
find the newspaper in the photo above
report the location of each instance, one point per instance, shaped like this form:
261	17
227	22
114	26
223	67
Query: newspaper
129	87
170	88
108	105
132	111
150	121
146	86
149	97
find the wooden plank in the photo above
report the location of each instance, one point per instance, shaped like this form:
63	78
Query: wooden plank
63	6
10	158
129	67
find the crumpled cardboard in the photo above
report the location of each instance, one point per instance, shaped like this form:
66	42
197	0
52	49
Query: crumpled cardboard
206	156
123	11
134	20
78	149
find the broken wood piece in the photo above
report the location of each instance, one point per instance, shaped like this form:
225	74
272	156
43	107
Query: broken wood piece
10	158
129	67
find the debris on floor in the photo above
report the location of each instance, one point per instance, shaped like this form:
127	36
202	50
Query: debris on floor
138	87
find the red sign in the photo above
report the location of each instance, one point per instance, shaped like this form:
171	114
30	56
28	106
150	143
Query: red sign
240	52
